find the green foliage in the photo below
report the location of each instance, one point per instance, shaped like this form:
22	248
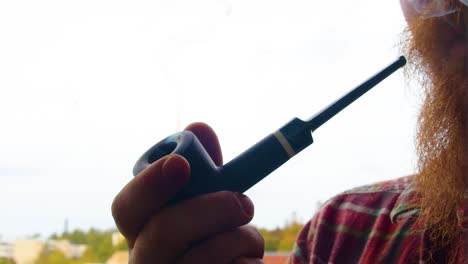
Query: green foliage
99	247
6	261
103	248
281	239
99	244
53	257
288	236
122	246
88	257
35	236
271	237
78	237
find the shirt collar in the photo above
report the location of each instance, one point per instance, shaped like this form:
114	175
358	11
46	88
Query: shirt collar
406	207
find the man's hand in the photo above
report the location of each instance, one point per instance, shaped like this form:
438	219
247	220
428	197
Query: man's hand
205	229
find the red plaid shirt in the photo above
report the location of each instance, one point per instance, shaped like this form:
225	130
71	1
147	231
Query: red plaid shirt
371	224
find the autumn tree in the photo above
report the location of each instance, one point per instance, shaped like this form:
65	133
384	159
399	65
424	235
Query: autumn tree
289	233
51	257
6	261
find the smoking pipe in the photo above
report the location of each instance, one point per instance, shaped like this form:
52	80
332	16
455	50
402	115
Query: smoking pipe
258	161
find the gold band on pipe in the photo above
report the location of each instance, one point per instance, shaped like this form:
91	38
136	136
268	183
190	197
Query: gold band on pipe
285	143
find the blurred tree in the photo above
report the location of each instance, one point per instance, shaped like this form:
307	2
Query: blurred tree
51	257
289	234
271	239
287	243
282	239
77	236
100	248
35	236
89	256
6	261
121	246
104	248
99	244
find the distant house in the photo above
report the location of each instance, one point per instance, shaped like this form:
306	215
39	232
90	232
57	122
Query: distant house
69	249
6	250
121	257
27	250
117	238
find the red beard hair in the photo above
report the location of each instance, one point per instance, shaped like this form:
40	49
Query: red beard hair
441	182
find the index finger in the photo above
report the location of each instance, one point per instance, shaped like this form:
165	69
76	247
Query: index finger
147	192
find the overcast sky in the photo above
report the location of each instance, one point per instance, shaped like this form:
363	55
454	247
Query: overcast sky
87	86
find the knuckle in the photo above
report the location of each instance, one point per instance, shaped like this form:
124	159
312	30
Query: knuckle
157	231
229	202
230	209
154	230
252	239
255	234
233	209
227	198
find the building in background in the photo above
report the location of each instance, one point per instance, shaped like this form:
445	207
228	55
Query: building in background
26	251
70	250
6	250
117	238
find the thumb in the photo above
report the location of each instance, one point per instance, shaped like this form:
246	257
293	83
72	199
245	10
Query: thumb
208	139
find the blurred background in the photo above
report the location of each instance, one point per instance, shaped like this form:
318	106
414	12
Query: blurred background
88	86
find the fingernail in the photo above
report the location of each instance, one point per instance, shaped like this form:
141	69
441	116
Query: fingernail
246	204
175	170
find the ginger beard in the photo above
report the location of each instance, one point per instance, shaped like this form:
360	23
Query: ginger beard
439	62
